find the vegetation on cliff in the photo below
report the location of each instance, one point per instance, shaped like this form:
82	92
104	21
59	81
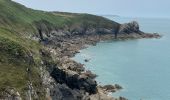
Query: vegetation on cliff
18	26
17	17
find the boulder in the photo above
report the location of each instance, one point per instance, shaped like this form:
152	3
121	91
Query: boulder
111	88
90	74
87	60
118	87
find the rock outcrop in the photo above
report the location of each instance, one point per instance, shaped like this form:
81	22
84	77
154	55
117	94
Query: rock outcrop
72	76
74	81
131	30
111	88
127	28
54	38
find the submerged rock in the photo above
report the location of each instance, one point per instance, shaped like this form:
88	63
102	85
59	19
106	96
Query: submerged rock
122	98
118	87
86	60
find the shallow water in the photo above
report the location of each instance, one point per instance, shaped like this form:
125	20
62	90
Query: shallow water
141	66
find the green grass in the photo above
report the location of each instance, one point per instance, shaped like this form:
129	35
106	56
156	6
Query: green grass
14	51
21	19
14	41
18	22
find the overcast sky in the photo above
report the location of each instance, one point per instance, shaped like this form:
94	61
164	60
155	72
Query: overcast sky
135	8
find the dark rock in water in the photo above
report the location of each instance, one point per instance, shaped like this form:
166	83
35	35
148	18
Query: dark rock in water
117	86
122	98
111	88
132	27
87	60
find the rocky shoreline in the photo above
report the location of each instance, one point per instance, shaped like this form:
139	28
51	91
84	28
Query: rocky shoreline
66	79
37	47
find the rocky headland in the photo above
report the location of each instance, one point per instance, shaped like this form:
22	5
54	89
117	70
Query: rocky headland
82	83
36	48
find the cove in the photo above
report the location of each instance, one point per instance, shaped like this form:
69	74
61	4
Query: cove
141	66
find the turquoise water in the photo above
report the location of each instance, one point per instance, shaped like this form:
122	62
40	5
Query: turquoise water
142	66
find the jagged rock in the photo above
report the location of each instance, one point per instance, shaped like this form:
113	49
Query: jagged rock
72	65
111	88
132	27
71	76
118	87
90	74
74	81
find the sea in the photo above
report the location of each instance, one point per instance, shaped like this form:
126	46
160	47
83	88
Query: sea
140	66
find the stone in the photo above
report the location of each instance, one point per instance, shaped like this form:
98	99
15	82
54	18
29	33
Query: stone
74	81
109	88
117	86
132	27
87	60
90	74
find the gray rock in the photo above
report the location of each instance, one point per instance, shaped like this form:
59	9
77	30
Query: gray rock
132	27
74	81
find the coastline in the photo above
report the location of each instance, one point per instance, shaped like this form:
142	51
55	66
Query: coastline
38	46
68	47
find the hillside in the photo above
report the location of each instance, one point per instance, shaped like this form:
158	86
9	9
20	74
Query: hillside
19	31
21	19
36	47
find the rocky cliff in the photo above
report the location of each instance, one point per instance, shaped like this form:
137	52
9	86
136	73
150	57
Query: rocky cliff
36	47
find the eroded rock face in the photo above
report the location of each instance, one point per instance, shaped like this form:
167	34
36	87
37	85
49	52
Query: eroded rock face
74	81
63	92
132	27
71	80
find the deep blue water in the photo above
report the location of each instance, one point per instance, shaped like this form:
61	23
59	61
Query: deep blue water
141	66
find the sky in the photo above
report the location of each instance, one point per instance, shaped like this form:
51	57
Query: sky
126	8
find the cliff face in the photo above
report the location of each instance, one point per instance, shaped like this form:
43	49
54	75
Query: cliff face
26	71
35	51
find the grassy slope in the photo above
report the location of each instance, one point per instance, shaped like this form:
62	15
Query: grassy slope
15	15
17	21
14	52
